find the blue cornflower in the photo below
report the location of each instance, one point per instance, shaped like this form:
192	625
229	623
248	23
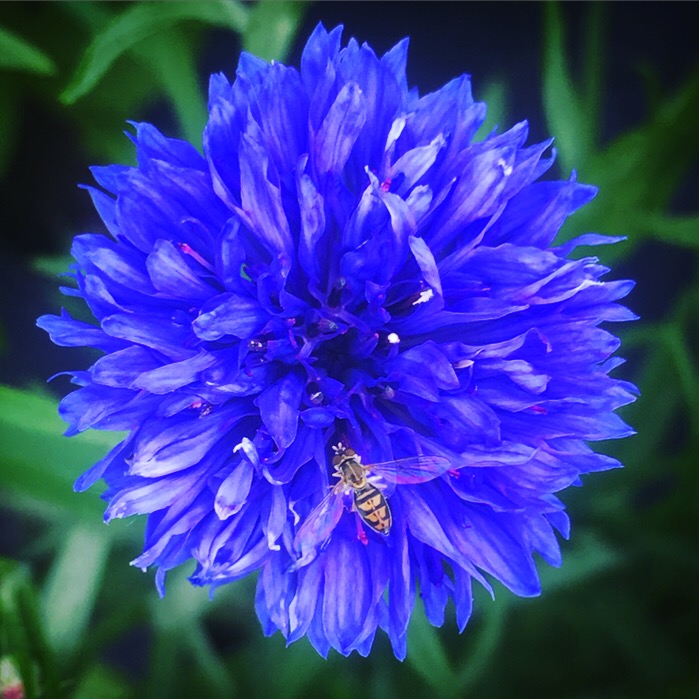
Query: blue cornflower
343	275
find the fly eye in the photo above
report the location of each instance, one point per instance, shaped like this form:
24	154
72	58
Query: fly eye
336	460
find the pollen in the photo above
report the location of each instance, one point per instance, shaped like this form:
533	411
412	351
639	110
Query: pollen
425	296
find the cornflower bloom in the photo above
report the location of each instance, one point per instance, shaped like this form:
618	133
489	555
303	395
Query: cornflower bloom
344	266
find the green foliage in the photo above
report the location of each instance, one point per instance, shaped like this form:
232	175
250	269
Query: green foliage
126	30
18	54
607	624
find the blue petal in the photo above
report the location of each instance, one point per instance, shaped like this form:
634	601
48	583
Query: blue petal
121	368
261	199
233	492
534	216
155	331
114	261
279	408
149	495
347	597
172	276
93	474
166	446
322	47
88	406
340	130
463	419
106	208
230	314
67	332
493	543
169	377
312	211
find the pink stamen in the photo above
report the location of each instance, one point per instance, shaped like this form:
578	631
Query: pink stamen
188	250
538	409
386	185
361	534
453	473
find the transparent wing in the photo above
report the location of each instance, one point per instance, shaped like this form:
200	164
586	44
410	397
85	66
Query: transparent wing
318	526
413	469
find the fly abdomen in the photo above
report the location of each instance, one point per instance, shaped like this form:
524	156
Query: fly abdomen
373	508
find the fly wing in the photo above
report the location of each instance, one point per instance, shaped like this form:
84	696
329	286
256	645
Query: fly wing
317	527
413	469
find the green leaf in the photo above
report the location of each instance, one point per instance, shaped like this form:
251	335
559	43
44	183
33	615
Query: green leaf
38	465
18	54
272	28
587	557
681	356
680	230
9	118
21	634
563	105
101	682
139	22
495	96
595	53
488	633
169	58
426	655
639	172
52	266
72	586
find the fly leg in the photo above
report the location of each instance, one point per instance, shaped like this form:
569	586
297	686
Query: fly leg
361	534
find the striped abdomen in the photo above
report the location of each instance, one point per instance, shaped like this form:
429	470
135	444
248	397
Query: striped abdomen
373	508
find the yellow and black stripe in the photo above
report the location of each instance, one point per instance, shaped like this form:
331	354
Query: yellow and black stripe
373	508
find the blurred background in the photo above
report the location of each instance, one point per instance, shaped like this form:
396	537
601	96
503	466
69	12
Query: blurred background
618	86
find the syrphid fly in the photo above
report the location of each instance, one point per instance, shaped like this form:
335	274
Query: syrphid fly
369	501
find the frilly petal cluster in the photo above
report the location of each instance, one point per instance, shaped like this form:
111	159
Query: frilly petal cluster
344	263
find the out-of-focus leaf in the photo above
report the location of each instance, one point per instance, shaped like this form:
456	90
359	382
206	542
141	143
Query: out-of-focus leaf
488	634
593	77
588	556
21	633
101	682
681	356
18	54
39	464
651	418
8	122
140	21
216	680
298	667
272	28
639	172
170	60
679	230
563	105
72	586
52	266
427	657
178	632
495	96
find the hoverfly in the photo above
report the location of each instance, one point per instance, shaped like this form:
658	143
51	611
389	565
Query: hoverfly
369	501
